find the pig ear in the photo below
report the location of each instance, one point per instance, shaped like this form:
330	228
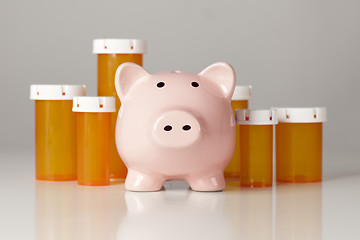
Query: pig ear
126	75
223	75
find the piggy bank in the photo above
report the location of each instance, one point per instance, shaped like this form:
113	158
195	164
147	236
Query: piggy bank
175	126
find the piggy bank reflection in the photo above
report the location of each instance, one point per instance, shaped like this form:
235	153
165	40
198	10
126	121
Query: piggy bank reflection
175	214
175	125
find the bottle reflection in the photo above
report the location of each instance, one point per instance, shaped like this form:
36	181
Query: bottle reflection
100	210
175	214
298	211
251	212
67	211
55	205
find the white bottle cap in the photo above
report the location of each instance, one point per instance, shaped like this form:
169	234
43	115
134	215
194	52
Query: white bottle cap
94	104
119	46
242	93
301	115
255	117
56	92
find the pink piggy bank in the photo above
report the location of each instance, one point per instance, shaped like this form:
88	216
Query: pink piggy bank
175	125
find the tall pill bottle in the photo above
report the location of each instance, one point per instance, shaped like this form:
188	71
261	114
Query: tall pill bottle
93	139
256	147
240	100
55	131
299	144
112	53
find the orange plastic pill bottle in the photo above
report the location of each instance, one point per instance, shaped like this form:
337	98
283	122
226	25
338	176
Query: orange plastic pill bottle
55	131
93	139
111	54
256	147
299	144
240	100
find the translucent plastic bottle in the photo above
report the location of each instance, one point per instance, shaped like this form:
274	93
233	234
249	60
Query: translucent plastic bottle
256	147
240	100
93	139
112	53
55	131
299	144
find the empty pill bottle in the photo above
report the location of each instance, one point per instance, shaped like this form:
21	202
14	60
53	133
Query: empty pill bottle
256	147
55	131
299	144
93	139
240	100
111	53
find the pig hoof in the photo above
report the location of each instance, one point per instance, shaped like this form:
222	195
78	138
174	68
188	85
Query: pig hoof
209	184
139	182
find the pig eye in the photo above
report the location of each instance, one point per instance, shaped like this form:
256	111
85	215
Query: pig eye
160	84
194	84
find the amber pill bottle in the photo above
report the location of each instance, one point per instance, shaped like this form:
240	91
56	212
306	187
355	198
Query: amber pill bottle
55	131
240	100
93	139
256	147
299	144
111	53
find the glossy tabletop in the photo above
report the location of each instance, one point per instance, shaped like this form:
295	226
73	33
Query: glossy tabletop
43	210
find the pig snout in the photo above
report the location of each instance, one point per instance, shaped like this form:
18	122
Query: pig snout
176	129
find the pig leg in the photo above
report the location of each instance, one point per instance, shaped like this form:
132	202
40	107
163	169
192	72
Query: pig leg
207	182
138	181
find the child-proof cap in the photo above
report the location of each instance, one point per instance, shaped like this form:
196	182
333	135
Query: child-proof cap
301	115
119	46
242	93
94	104
255	117
56	92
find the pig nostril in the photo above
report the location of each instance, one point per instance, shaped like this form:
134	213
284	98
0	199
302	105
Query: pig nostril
167	128
160	84
194	84
186	128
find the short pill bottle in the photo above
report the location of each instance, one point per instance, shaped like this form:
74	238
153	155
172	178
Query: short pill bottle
111	53
55	131
240	100
93	139
256	147
299	144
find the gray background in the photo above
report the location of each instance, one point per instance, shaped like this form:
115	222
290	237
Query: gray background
294	53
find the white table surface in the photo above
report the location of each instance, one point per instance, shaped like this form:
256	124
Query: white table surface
32	209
